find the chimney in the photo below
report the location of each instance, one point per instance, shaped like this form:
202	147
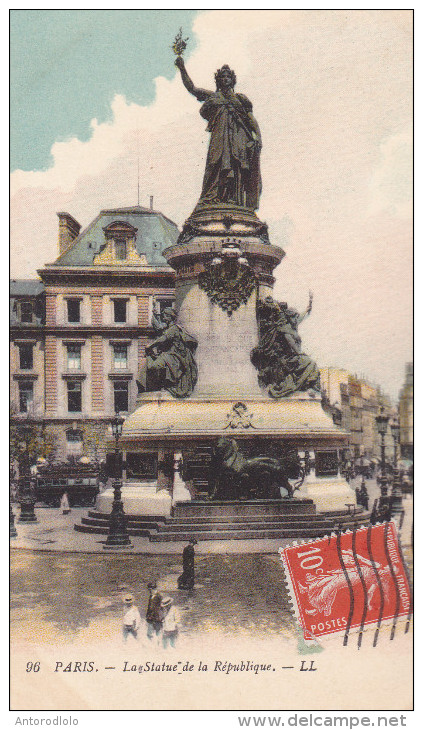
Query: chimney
151	202
68	230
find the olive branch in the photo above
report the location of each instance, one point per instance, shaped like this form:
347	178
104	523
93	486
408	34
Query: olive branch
179	44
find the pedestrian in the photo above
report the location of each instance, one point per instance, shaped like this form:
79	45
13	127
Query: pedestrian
64	504
154	615
171	621
385	512
358	495
131	617
364	496
374	517
187	579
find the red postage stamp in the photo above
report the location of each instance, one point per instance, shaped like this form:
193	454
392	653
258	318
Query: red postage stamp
348	581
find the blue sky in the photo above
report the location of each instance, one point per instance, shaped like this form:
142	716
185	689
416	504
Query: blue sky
67	65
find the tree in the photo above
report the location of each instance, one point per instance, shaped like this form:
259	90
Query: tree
93	444
30	440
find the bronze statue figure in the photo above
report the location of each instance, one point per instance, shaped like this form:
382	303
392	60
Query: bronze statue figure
232	172
282	366
169	363
234	475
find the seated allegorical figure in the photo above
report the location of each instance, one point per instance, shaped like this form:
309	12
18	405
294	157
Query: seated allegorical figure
169	363
282	366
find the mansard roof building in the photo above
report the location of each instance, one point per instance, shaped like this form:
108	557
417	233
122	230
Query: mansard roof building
97	302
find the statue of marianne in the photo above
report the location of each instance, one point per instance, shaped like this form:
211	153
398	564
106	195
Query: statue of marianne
232	172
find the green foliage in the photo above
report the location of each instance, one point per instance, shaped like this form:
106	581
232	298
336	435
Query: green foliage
93	443
31	440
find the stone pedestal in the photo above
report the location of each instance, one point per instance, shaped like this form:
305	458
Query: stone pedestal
224	263
298	421
180	491
329	494
138	499
225	336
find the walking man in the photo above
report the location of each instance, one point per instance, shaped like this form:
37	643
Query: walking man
364	496
187	579
154	615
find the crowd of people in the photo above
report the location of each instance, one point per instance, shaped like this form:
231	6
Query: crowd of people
162	617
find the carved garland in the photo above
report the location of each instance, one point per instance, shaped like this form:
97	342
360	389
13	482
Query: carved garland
228	285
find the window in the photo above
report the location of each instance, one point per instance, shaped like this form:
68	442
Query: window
120	249
165	304
119	310
26	312
120	357
26	396
73	443
74	397
26	359
74	310
74	357
120	390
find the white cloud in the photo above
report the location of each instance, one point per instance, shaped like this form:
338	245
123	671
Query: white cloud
391	183
332	92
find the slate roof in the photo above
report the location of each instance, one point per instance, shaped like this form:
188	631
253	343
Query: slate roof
26	287
155	233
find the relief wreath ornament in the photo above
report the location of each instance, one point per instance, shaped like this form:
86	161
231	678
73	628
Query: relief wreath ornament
228	284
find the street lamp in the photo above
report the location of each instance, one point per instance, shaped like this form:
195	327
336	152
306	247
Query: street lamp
396	494
382	427
12	528
118	534
26	496
395	430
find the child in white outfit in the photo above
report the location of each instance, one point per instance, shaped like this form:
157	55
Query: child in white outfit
131	617
171	621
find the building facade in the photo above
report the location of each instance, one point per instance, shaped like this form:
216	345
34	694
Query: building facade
98	298
27	319
406	413
354	404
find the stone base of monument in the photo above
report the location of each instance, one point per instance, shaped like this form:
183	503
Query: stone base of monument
164	422
257	522
329	494
238	510
141	498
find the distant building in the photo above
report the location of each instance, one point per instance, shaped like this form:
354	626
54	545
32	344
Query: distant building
354	403
406	413
94	307
331	380
385	402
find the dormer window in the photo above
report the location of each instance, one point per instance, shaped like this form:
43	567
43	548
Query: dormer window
120	249
26	312
120	236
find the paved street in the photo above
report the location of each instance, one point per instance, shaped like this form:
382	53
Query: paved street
62	591
66	597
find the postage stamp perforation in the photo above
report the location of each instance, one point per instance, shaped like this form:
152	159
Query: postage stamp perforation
359	561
